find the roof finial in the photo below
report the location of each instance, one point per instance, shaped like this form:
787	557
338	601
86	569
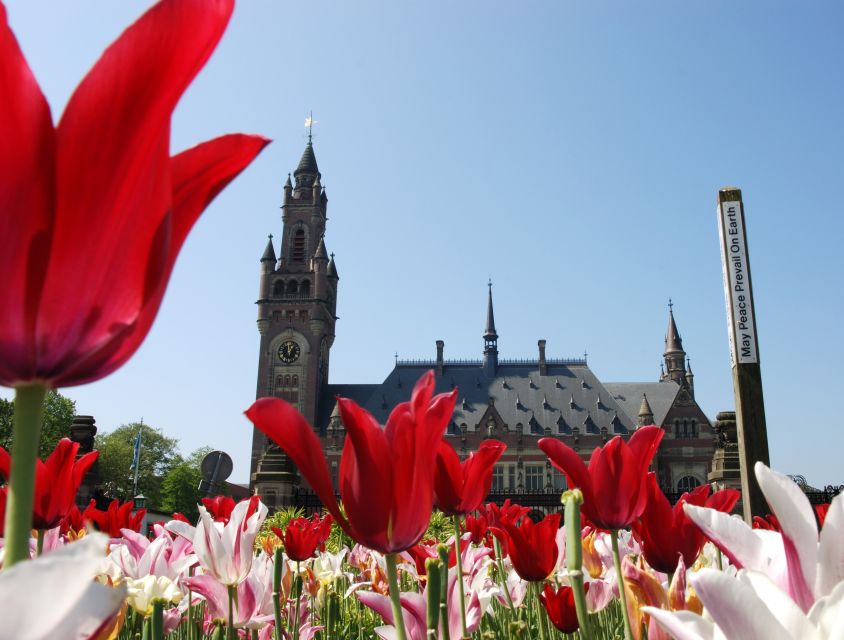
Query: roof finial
670	305
396	356
309	123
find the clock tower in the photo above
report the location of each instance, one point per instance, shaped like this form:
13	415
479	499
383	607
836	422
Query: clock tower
297	302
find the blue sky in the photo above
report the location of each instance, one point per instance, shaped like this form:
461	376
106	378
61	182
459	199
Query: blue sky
572	151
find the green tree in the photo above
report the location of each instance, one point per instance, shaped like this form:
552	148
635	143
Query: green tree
158	455
58	416
180	489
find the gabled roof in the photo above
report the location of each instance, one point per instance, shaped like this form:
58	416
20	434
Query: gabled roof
628	395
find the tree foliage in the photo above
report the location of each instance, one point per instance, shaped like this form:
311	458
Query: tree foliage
157	458
180	488
58	416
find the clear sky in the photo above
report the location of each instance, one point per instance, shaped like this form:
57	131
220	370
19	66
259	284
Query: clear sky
571	150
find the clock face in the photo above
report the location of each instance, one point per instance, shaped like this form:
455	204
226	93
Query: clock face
289	352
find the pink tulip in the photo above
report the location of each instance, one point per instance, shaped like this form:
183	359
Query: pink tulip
225	550
806	565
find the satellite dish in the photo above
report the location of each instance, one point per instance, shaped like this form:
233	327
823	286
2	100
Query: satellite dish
216	467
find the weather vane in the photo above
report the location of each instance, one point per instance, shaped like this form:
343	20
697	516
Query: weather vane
309	123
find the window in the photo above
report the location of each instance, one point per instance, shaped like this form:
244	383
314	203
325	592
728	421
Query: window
288	388
305	288
278	288
685	428
511	476
292	287
687	483
498	478
558	480
298	252
533	477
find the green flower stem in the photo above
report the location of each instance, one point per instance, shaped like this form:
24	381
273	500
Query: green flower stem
496	543
157	619
230	634
297	592
574	558
278	561
432	570
442	552
39	542
147	626
29	407
719	559
218	632
460	589
539	616
395	596
628	630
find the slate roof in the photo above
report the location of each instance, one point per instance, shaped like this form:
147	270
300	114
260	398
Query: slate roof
629	395
569	396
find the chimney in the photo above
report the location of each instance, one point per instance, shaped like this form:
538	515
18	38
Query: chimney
440	346
543	367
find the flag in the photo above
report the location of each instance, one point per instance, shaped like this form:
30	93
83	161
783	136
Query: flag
136	457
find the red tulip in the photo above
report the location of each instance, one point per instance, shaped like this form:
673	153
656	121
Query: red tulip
460	487
820	511
386	475
56	482
665	533
116	517
614	485
559	605
510	512
769	522
220	507
477	526
533	547
304	536
93	211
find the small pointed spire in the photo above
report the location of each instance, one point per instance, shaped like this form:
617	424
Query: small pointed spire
331	270
490	333
288	184
321	253
688	366
645	407
269	252
672	338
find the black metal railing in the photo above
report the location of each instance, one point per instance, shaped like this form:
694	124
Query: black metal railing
548	500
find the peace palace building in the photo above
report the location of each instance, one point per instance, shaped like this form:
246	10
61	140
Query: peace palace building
516	401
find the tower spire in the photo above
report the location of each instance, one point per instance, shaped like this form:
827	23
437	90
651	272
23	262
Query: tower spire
674	356
490	337
490	333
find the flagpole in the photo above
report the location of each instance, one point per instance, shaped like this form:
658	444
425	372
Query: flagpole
136	460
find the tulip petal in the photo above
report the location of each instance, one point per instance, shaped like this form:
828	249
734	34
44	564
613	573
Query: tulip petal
285	426
366	474
735	607
831	550
113	178
27	195
478	474
827	614
799	531
448	478
683	625
735	539
55	593
565	459
779	603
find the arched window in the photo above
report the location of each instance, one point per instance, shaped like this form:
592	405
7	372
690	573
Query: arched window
687	483
292	287
693	426
278	288
290	389
305	287
297	253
